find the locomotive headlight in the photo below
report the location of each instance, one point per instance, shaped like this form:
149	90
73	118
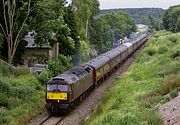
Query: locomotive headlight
58	100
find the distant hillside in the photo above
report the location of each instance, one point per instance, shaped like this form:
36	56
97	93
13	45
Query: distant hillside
139	14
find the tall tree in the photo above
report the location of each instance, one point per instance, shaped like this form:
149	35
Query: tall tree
70	20
51	27
13	23
85	10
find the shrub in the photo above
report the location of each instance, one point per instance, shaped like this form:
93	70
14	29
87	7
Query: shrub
22	92
20	71
44	77
57	66
4	87
171	82
3	100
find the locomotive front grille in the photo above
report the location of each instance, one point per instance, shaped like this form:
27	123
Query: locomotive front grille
56	96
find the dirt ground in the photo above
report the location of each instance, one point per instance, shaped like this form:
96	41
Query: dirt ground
170	112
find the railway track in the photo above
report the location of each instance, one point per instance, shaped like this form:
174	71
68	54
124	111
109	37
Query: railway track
52	120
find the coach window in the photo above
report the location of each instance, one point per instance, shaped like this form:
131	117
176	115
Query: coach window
88	70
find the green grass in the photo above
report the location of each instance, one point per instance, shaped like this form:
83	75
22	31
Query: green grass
134	99
21	96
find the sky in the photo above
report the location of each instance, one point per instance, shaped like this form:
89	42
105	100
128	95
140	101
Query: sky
109	4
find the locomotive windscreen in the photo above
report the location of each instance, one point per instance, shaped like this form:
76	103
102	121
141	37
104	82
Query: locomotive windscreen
61	88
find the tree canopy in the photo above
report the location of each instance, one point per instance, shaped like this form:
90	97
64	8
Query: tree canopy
147	16
51	27
13	22
77	27
45	17
109	28
171	19
138	13
85	10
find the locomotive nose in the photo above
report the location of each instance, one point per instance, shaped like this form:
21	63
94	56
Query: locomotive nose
57	92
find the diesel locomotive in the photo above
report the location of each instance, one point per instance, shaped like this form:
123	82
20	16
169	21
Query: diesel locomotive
68	89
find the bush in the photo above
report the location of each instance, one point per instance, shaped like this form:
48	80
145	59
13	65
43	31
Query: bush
4	87
17	89
171	82
57	66
22	92
3	100
44	77
20	71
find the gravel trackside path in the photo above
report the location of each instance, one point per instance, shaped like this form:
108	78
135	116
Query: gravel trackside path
170	112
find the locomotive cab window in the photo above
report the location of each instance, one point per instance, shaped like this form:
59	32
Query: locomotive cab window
51	87
62	88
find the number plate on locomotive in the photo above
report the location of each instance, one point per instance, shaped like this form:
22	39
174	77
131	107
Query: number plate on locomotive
57	96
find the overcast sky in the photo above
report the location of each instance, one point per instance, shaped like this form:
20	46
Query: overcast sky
104	4
108	4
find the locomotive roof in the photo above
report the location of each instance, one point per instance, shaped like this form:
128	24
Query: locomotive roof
98	61
71	76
